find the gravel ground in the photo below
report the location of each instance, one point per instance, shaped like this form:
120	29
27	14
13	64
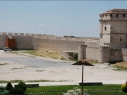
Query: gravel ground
28	67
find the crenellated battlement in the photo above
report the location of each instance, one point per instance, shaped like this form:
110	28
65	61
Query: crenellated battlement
44	36
115	14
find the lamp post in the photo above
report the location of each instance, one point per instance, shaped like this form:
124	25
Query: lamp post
82	63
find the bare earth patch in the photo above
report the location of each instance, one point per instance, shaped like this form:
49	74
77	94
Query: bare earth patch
122	64
47	54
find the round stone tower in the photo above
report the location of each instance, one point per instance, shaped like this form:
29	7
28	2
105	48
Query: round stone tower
113	28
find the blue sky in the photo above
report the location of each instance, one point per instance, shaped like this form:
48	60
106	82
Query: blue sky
60	18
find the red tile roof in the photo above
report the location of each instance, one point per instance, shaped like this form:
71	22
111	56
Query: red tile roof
115	11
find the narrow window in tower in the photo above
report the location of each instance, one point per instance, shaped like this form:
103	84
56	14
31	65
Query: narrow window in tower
120	39
110	15
117	15
105	28
123	15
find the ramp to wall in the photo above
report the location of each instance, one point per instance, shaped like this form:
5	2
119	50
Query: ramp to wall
65	55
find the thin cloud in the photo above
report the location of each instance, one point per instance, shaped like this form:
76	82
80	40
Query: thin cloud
2	23
52	26
41	25
18	23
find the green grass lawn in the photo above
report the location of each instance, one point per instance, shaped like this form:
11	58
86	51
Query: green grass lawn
92	90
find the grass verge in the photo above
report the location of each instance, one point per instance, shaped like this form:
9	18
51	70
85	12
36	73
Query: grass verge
120	66
91	90
16	81
48	54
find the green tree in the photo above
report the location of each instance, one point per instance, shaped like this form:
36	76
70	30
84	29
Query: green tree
22	86
75	56
124	87
9	86
3	90
19	89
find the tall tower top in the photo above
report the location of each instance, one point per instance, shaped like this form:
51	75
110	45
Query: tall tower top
115	11
113	28
114	14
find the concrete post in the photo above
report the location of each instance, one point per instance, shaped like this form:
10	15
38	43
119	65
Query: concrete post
104	54
81	52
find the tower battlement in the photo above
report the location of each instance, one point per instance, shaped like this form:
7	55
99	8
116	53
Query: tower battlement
115	14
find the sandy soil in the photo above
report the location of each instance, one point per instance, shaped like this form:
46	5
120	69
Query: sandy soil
27	67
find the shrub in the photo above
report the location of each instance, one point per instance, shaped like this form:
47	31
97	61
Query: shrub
3	90
22	85
124	87
75	91
16	91
74	55
19	89
9	86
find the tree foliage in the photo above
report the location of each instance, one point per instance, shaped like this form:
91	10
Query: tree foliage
9	86
3	90
74	55
124	87
18	89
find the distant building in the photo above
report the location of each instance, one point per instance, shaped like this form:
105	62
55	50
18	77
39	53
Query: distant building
69	36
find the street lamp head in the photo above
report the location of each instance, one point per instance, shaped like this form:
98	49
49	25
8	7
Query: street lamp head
83	62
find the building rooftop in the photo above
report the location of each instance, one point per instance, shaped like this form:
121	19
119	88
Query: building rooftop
115	11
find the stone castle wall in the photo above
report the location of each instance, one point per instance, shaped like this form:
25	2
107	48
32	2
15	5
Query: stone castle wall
92	44
118	54
22	42
92	53
2	41
81	52
43	42
87	50
103	54
56	45
124	53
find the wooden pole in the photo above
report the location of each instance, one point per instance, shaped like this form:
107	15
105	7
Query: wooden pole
82	77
